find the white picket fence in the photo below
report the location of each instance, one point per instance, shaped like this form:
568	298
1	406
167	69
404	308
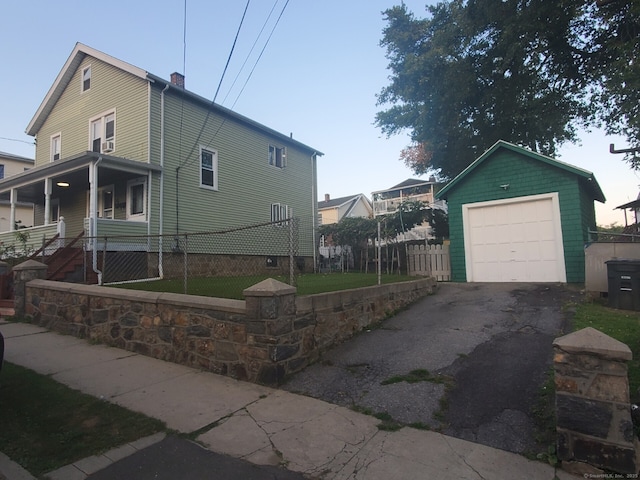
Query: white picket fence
429	260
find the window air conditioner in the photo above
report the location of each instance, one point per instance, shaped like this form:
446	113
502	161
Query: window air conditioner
107	146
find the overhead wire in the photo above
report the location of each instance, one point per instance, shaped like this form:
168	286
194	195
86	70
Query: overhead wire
212	103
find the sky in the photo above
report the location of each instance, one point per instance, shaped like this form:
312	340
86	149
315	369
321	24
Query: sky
317	77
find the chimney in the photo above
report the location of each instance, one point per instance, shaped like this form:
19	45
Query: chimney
177	79
326	197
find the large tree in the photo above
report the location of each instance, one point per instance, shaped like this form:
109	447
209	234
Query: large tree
476	71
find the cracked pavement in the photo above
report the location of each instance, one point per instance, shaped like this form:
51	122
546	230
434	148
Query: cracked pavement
493	340
254	432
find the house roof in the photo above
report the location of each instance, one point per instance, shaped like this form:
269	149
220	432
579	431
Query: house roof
350	202
17	158
588	177
81	51
410	182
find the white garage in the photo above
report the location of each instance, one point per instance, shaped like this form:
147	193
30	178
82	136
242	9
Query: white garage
514	240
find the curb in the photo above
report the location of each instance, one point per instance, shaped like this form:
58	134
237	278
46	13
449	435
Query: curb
10	470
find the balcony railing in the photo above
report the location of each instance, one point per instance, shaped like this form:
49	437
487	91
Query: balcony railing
391	205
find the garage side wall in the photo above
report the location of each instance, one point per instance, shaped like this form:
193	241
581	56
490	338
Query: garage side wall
524	176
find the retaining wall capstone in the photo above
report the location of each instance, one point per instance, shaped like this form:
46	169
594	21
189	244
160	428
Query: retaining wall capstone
269	335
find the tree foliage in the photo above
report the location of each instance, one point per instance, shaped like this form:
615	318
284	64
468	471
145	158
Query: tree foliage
530	72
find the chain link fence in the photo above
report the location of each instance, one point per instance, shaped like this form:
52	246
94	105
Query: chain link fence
199	263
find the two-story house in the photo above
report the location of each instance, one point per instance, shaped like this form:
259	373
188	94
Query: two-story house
11	164
121	151
388	201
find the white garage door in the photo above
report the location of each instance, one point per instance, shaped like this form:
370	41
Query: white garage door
514	240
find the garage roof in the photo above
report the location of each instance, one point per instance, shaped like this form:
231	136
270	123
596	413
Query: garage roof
588	177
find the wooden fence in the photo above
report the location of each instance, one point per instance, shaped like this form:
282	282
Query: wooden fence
429	260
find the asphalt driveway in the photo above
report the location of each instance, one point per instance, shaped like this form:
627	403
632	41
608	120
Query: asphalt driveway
487	349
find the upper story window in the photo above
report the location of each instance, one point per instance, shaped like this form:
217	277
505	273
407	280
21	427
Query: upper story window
56	146
86	78
208	168
103	133
277	156
1	171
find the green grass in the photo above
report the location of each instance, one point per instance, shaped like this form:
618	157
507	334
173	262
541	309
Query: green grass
45	425
232	287
418	375
623	325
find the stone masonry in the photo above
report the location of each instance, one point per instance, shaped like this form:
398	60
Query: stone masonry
593	412
271	334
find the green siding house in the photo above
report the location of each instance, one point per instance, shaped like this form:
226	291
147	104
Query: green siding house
121	151
518	216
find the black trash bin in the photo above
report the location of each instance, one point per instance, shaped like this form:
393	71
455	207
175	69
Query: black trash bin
624	283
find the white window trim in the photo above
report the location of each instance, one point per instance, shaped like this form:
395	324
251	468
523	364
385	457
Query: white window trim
101	205
214	167
280	212
103	138
132	183
82	89
275	149
51	147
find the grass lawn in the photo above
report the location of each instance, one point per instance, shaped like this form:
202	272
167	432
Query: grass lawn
45	425
623	325
232	287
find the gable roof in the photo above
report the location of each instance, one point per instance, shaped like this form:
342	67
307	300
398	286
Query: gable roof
81	51
17	158
350	202
588	178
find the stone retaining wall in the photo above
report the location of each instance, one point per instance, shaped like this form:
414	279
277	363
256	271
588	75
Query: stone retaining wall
262	339
594	422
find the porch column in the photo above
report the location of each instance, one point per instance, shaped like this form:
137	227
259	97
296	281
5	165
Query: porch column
47	200
93	197
12	215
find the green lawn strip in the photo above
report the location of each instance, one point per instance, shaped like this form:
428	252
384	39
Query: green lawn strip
232	287
45	425
623	325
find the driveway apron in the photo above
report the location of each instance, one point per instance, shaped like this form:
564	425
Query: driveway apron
483	351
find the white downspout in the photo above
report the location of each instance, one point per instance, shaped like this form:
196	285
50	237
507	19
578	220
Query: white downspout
161	212
314	210
93	216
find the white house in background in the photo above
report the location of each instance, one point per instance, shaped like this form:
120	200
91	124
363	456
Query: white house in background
11	164
334	210
387	202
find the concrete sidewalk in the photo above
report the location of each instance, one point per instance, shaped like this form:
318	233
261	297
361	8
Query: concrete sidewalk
262	425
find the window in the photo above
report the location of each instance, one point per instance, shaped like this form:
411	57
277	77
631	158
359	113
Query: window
86	78
103	133
105	202
208	168
277	156
279	213
136	199
1	171
55	147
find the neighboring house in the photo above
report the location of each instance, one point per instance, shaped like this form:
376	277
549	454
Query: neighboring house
388	201
334	210
23	215
518	216
122	151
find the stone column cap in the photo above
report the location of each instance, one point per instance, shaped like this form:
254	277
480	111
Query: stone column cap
589	340
30	265
269	288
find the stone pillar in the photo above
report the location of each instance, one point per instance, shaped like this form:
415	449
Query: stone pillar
22	274
271	311
593	411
